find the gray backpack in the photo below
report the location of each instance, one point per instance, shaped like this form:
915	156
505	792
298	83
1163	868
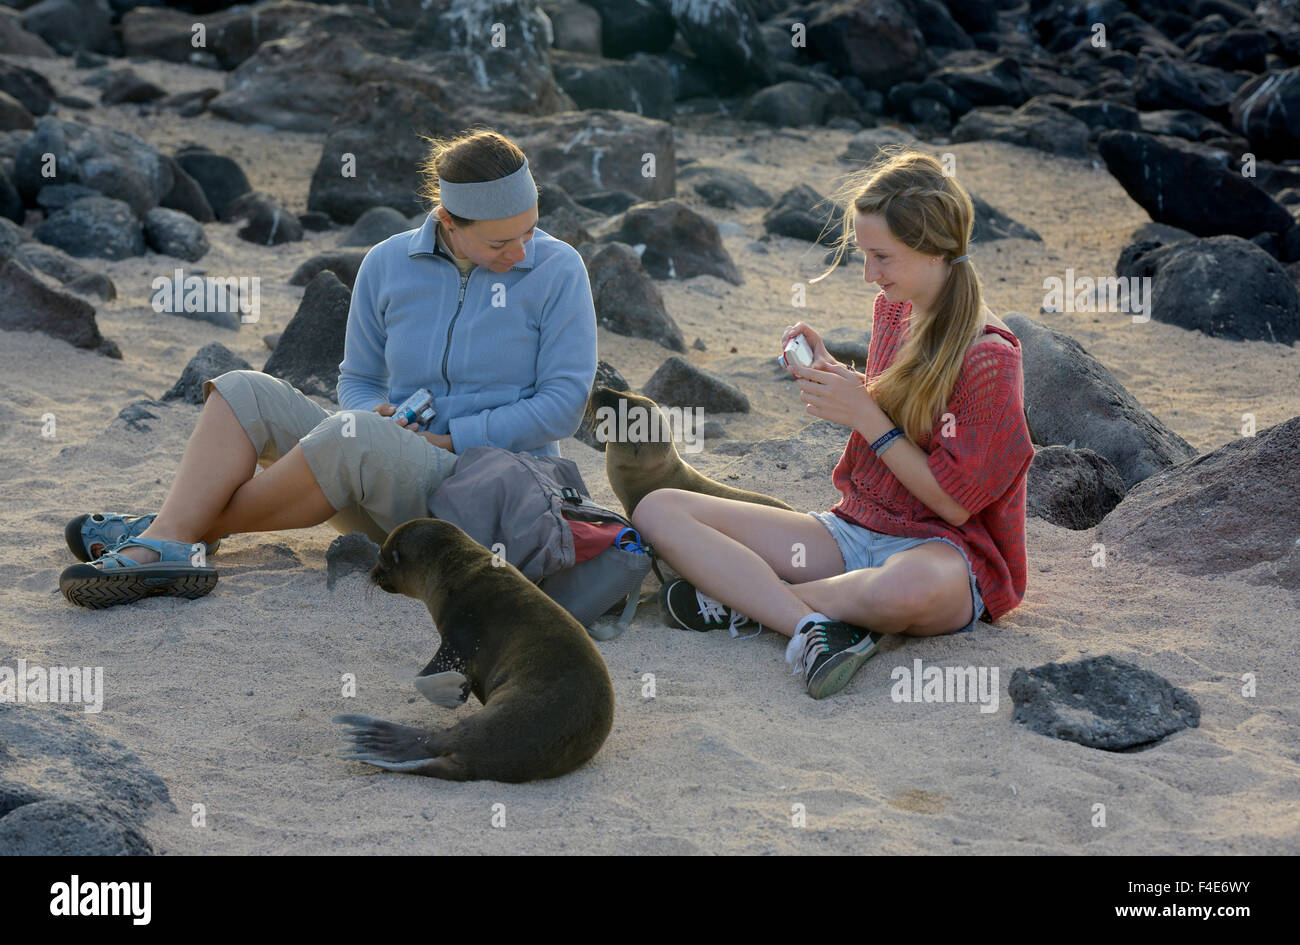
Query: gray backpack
516	504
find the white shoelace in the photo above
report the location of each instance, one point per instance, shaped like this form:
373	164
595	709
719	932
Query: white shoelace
804	648
714	610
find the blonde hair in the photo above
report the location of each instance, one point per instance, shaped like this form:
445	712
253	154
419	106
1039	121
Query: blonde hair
929	212
471	157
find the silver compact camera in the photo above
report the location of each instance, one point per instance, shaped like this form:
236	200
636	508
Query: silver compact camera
417	410
797	351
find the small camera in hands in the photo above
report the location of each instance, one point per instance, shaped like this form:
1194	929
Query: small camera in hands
796	351
417	410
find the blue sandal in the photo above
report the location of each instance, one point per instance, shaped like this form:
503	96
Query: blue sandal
89	536
115	579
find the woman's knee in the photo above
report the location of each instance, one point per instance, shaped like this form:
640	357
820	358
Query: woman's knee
651	510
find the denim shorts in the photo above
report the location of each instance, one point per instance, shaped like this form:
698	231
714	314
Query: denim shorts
864	548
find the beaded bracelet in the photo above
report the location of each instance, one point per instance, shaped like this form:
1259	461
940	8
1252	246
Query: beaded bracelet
886	441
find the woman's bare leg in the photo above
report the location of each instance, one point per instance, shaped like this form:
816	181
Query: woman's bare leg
739	552
215	491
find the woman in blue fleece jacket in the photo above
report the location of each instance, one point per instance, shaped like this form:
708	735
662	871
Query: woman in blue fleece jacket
493	315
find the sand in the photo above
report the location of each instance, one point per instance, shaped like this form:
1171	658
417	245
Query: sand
229	698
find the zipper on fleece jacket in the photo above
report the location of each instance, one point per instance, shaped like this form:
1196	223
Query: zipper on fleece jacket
464	281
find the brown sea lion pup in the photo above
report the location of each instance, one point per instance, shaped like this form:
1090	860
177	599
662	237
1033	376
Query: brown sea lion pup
548	703
646	462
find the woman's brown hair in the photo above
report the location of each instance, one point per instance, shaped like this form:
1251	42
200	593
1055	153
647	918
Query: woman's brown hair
930	212
468	158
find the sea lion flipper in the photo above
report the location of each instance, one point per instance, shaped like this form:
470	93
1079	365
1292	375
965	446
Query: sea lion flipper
375	741
400	748
449	689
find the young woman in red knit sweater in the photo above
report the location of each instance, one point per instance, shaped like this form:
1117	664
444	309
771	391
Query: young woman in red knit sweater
929	534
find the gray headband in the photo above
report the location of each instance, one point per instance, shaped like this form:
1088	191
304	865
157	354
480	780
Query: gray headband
497	199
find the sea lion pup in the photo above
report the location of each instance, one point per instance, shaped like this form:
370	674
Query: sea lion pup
638	467
548	703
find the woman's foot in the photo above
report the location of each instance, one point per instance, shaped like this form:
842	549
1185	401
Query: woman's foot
148	555
829	652
683	606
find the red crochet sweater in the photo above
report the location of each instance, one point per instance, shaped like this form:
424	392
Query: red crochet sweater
983	465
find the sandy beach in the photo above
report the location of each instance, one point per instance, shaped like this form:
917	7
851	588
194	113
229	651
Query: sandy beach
229	698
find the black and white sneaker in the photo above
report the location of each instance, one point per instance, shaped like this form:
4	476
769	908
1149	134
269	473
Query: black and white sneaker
828	653
682	606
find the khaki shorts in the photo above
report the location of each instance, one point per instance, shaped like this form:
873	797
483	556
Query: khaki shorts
375	474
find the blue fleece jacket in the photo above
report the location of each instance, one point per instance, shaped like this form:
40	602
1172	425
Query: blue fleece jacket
509	357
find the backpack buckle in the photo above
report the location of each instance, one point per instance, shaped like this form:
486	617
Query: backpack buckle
570	494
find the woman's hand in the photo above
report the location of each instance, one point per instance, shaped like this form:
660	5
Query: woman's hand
437	439
837	395
387	410
822	359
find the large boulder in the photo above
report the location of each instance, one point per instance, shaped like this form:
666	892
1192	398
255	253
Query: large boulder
724	36
372	154
31	305
112	162
1033	125
1224	286
231	36
677	242
1232	510
303	80
311	347
1178	184
589	151
94	226
1267	111
879	43
1071	398
627	300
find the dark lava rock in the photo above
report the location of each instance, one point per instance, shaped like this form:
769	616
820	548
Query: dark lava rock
221	179
212	359
173	233
364	127
678	383
804	214
1231	510
1072	488
724	187
627	300
101	227
1101	702
679	243
349	554
311	347
65	790
992	224
375	226
606	376
1071	398
269	224
1267	111
68	828
31	305
1180	185
1259	302
1032	125
344	263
